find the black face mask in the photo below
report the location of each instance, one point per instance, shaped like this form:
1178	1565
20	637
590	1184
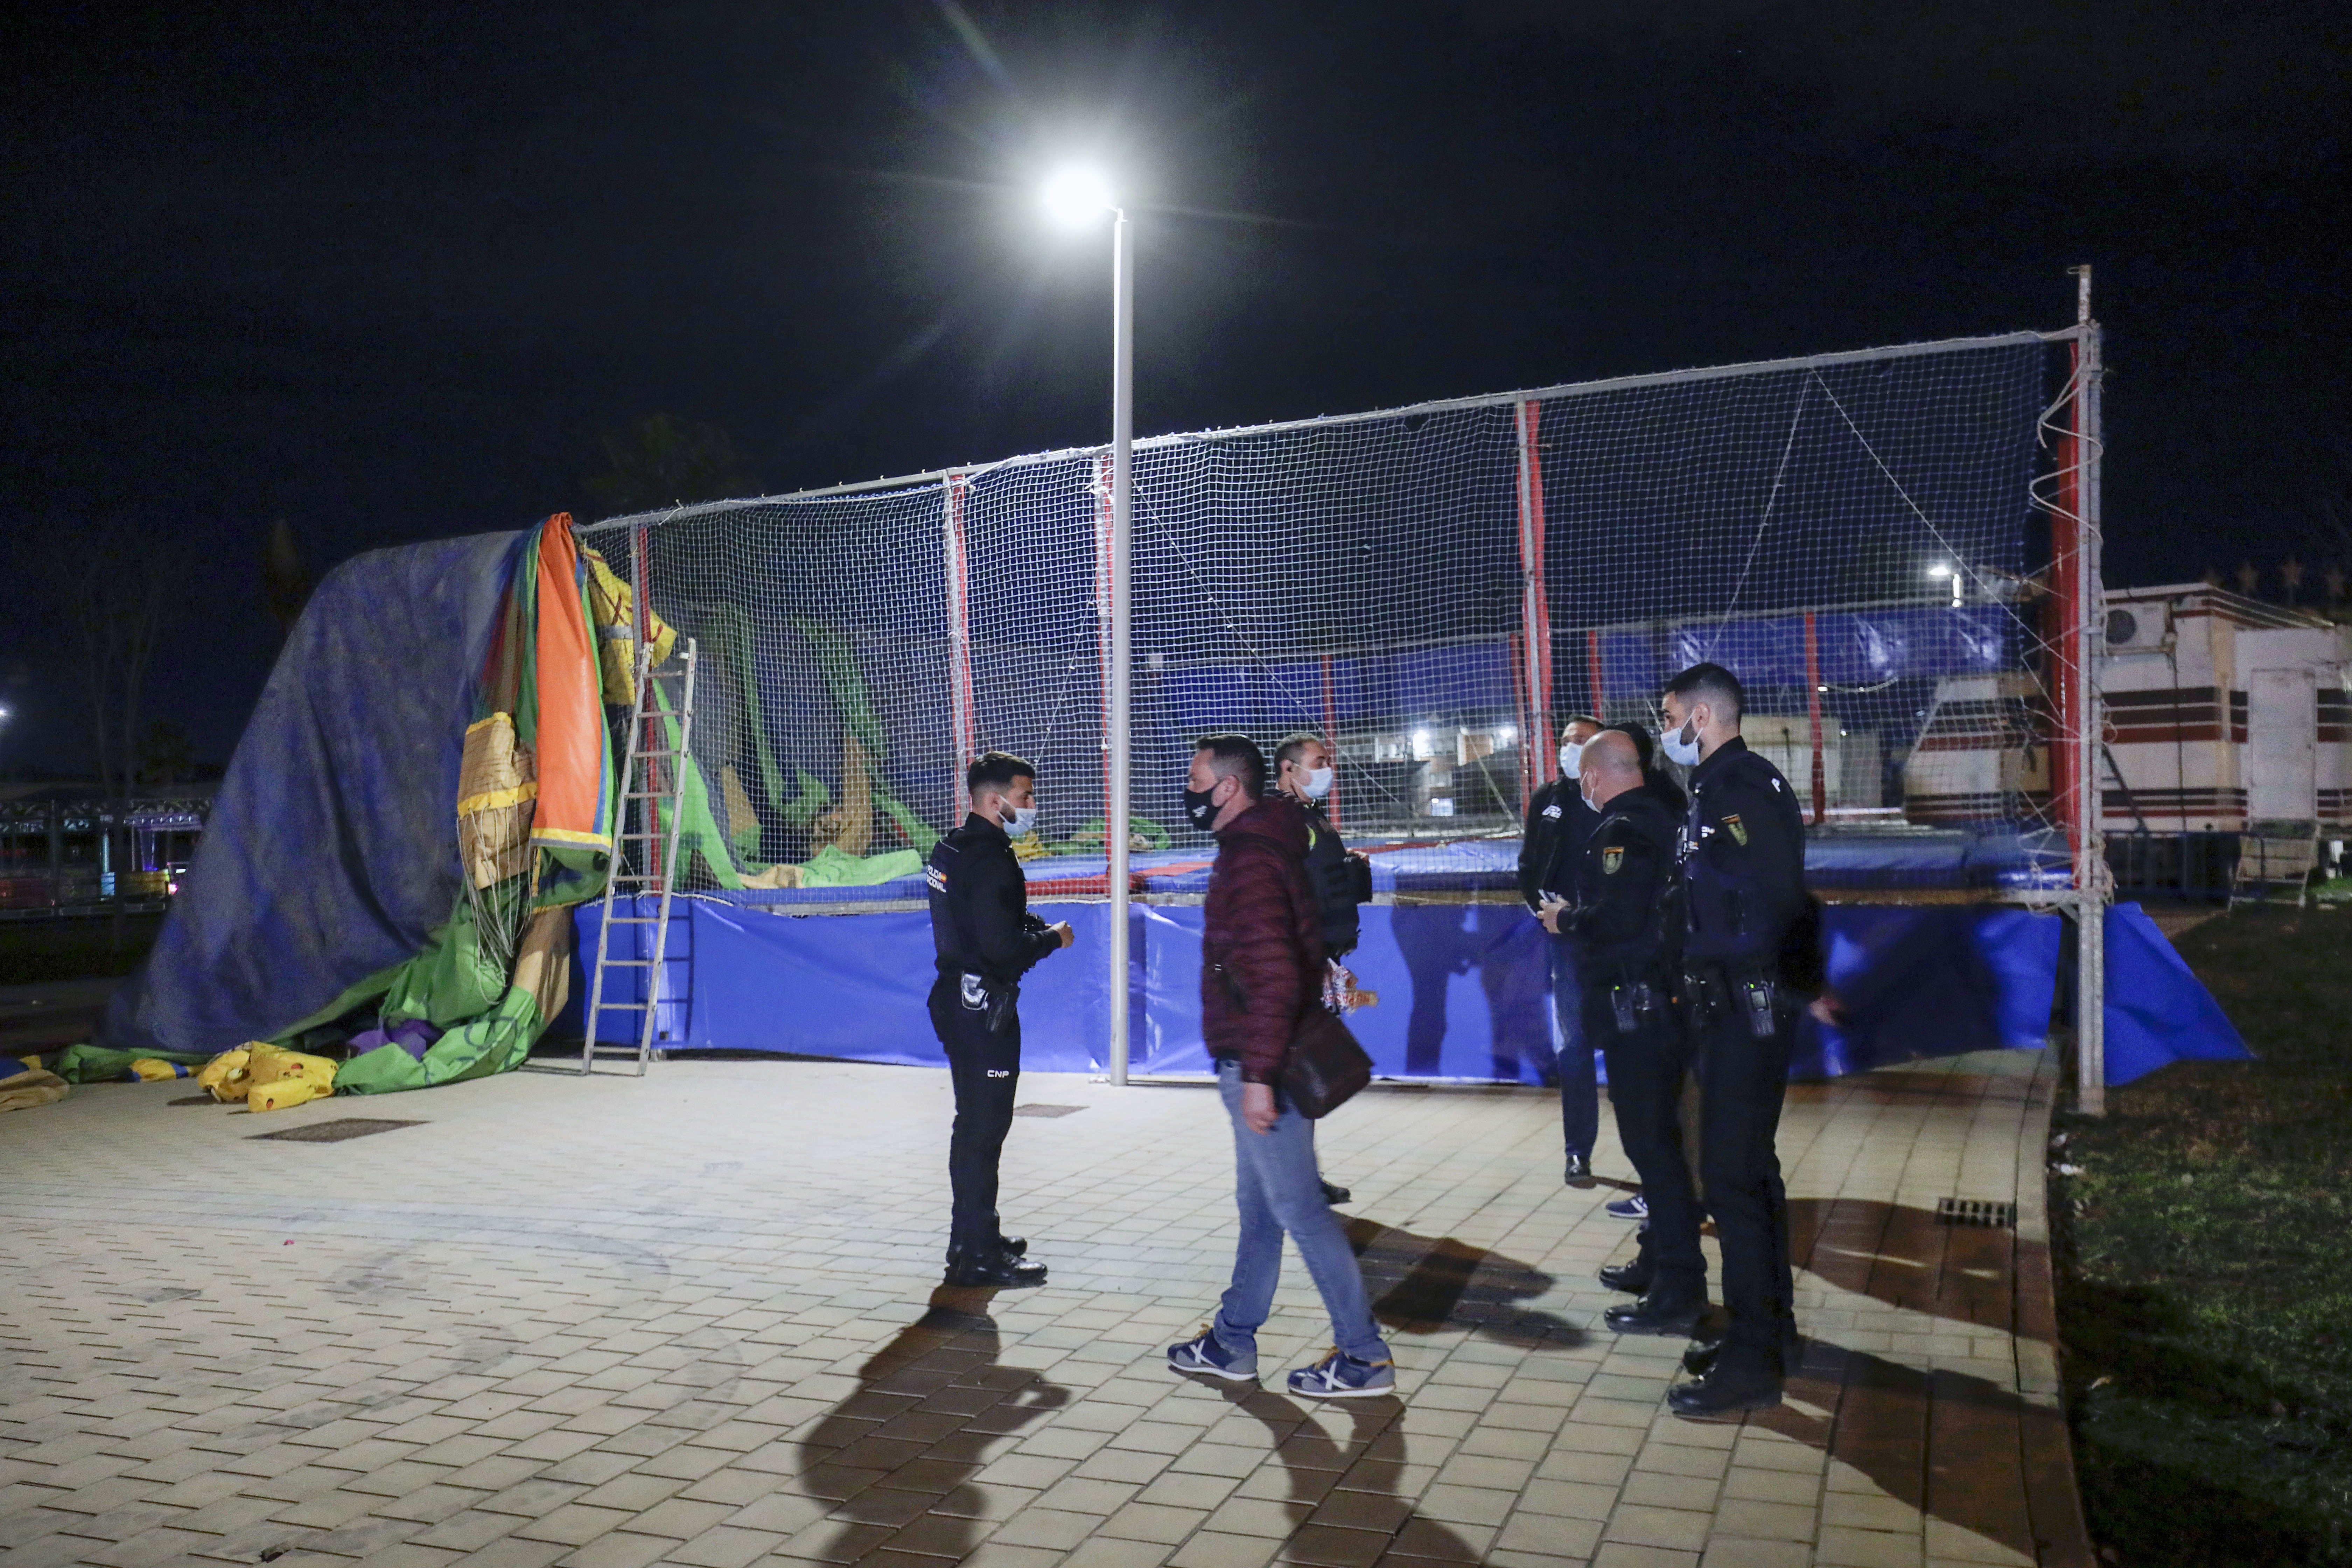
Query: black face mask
1199	808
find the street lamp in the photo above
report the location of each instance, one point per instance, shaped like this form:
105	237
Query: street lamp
1944	569
1074	196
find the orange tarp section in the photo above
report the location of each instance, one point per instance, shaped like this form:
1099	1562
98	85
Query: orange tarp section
571	739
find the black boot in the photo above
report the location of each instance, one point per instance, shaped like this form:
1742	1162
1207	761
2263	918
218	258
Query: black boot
1012	1246
1634	1278
1333	1196
1665	1310
992	1266
1732	1384
1707	1349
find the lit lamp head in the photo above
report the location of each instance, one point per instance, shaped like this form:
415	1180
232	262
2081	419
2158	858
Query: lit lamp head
1077	195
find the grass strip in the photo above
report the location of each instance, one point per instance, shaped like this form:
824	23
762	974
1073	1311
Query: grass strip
2204	1237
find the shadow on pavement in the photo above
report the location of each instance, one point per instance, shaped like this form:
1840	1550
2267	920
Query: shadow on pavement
1344	1500
895	1461
1959	1448
1420	1283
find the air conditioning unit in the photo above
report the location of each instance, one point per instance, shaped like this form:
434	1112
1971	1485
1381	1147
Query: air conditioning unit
2144	628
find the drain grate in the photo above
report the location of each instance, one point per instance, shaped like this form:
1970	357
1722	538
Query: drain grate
333	1131
1046	1110
1976	1211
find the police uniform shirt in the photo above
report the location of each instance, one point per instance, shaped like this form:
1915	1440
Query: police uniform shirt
1743	854
1622	881
981	923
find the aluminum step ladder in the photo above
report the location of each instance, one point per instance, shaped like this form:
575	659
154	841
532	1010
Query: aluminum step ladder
653	783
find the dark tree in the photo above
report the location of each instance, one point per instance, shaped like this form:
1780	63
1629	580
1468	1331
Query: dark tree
285	580
662	461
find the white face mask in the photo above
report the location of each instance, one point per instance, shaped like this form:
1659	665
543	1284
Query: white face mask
1586	796
1019	819
1681	744
1570	753
1318	783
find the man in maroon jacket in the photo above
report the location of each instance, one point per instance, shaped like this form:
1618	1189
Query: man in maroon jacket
1262	966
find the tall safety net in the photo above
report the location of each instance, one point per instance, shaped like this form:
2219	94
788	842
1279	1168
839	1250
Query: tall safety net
1862	538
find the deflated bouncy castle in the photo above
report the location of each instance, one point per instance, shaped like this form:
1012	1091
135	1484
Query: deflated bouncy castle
426	789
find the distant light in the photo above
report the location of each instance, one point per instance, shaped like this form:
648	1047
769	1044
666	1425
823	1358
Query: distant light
1940	570
1077	195
1821	689
1420	745
1507	736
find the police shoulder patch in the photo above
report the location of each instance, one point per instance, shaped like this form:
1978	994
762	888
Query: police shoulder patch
1737	828
1612	856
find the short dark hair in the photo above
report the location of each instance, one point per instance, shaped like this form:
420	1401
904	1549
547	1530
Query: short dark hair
1642	744
996	770
1568	719
1711	684
1294	746
1235	757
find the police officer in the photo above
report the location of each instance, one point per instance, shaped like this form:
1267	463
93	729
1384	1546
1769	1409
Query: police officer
1559	823
1743	893
1341	878
1626	928
986	938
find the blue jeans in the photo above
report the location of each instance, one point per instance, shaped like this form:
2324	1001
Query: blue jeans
1580	1086
1278	1190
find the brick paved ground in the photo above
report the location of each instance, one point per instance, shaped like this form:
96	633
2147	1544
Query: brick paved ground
692	1320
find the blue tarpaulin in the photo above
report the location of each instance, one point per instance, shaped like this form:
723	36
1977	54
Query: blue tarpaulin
332	849
2158	1012
1464	987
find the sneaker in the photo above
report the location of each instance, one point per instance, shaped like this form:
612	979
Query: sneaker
1203	1352
1339	1375
1630	1206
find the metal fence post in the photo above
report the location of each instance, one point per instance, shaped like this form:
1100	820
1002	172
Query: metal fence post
2092	882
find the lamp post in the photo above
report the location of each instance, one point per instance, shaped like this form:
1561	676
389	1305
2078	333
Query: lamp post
1077	196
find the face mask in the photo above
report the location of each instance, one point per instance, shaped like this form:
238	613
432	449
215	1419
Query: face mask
1019	819
1586	796
1318	783
1570	753
1199	809
1682	745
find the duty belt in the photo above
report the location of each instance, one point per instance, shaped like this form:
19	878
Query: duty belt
1749	985
1638	991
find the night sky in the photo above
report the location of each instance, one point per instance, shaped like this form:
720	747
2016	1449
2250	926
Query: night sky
388	272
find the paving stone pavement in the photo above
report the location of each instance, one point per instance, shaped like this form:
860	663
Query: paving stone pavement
693	1319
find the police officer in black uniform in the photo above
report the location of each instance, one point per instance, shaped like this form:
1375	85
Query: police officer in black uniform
1558	824
1341	877
986	939
1622	916
1744	899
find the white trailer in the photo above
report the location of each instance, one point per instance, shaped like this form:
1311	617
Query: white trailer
2223	715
